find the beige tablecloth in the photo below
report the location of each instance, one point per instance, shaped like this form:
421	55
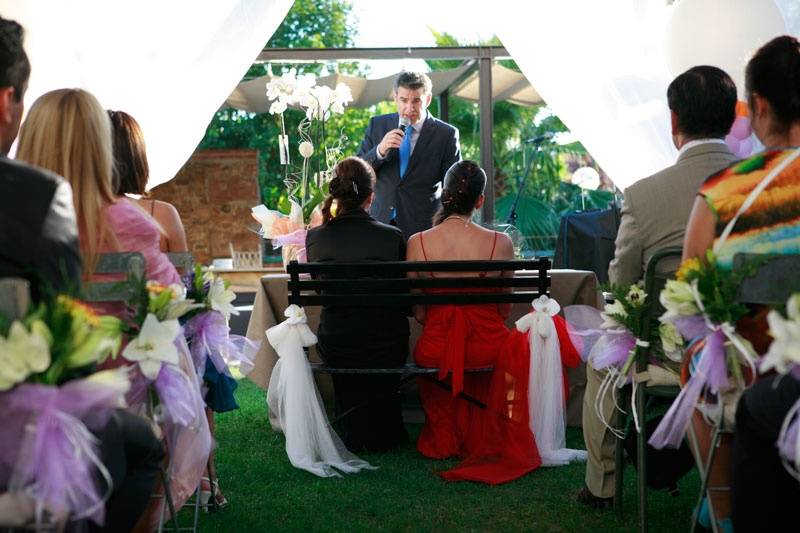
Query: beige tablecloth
568	287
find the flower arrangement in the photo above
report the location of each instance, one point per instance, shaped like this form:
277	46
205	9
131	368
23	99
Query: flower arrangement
306	186
701	304
52	399
206	326
157	347
609	340
783	356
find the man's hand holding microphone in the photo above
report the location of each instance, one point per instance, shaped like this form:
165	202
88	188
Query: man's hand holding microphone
394	138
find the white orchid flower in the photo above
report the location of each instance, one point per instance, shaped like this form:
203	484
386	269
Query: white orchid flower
342	94
784	352
295	314
278	107
636	296
154	345
545	304
220	298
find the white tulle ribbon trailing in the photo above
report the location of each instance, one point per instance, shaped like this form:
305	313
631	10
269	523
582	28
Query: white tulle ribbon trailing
294	402
546	384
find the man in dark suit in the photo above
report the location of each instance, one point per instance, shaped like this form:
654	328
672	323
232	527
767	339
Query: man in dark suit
409	167
38	233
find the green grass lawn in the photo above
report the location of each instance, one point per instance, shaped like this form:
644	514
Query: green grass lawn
267	494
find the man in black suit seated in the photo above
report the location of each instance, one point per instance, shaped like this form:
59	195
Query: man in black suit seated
38	234
409	166
39	242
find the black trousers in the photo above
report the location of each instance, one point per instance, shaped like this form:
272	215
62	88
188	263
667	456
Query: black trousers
765	496
132	454
375	421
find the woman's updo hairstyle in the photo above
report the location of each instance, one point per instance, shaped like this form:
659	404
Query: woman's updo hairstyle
774	74
463	186
352	183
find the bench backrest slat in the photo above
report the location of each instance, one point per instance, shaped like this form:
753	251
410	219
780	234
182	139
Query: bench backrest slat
385	283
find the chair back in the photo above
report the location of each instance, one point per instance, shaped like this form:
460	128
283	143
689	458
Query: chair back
129	265
182	261
656	274
15	297
774	280
245	259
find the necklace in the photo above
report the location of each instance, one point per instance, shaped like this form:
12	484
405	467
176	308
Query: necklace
465	220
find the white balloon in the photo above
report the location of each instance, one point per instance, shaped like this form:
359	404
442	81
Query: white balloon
586	178
722	33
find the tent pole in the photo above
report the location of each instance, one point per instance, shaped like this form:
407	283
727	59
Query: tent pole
486	121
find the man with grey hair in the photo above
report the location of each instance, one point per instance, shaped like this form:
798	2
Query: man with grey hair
410	151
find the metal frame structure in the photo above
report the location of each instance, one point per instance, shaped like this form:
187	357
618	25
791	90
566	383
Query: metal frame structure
481	57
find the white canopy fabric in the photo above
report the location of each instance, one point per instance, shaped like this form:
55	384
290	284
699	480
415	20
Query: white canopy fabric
507	84
603	69
169	64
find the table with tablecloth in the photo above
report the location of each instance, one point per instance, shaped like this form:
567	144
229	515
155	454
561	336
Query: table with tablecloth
568	287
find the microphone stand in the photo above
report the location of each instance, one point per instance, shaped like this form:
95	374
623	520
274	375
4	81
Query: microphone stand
521	180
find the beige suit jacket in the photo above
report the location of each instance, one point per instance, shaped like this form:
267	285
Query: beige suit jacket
656	209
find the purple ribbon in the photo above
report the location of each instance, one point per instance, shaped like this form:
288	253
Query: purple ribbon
710	372
691	326
607	347
175	392
209	337
46	447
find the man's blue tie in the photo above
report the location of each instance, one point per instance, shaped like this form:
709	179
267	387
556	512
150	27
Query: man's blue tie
405	151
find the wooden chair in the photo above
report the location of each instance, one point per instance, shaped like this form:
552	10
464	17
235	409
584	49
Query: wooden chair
773	282
659	269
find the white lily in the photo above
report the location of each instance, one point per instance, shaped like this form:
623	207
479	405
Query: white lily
154	345
678	298
31	349
616	308
220	298
784	352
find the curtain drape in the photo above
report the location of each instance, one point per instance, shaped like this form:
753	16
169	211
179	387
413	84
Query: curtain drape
170	64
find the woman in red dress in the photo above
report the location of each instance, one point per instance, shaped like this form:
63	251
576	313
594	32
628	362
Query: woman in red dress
496	443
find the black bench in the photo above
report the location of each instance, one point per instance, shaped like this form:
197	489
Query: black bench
386	284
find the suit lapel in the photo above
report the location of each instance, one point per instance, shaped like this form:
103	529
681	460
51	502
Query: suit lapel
428	128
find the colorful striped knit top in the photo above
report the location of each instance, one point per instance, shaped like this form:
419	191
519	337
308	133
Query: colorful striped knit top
772	223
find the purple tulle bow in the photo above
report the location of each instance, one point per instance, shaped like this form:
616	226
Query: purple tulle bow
174	390
691	327
710	372
295	238
209	337
602	347
47	449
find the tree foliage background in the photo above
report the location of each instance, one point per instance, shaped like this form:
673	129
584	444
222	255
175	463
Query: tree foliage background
328	24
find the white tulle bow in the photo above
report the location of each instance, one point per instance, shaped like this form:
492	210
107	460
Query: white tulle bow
296	407
546	384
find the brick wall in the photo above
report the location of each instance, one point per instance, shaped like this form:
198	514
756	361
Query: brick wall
213	193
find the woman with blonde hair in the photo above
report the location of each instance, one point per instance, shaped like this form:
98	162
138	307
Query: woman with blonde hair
68	132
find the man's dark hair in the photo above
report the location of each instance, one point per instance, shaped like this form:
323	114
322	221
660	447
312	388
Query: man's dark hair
704	100
774	74
413	81
14	66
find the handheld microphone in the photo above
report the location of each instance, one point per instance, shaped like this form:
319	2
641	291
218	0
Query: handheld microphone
540	139
403	123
